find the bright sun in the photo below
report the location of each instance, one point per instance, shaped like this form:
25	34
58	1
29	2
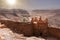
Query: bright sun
11	2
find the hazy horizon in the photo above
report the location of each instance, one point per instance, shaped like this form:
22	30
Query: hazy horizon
31	4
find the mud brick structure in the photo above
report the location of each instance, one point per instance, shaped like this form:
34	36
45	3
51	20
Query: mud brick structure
18	27
55	32
37	27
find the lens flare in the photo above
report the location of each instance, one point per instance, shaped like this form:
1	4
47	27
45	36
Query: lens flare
11	2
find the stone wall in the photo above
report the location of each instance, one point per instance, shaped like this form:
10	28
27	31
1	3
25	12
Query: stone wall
54	32
21	28
29	29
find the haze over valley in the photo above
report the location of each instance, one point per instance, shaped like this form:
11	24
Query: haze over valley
18	15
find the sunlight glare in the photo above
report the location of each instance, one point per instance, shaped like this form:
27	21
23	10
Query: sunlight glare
11	2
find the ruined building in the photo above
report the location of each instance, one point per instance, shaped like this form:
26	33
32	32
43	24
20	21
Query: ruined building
39	26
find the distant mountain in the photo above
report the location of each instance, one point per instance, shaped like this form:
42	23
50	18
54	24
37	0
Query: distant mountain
13	14
52	15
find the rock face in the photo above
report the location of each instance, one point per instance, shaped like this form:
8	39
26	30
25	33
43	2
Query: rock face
14	14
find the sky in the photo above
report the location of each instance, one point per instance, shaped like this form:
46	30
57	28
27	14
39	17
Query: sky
32	4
